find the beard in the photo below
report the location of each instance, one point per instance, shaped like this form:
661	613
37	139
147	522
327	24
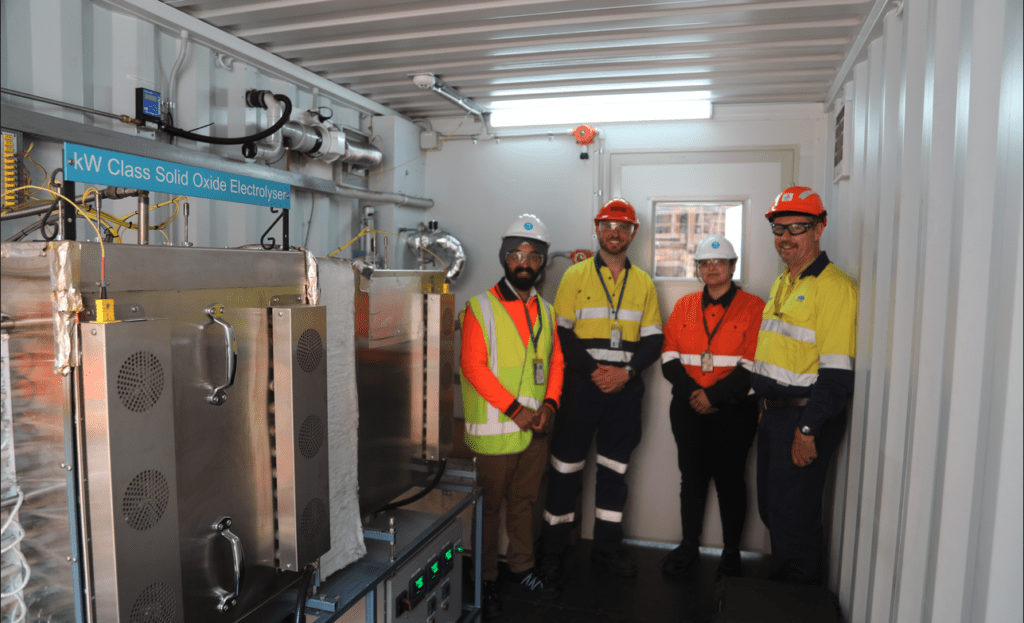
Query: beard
522	279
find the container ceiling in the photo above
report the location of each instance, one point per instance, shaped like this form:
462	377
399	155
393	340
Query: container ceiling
733	51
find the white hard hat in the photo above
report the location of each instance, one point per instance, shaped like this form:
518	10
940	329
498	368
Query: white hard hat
715	246
528	226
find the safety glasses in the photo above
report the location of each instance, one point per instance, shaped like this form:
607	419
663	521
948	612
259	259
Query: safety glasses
702	264
794	229
616	225
523	258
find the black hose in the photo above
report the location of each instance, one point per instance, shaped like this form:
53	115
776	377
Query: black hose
418	496
300	600
53	206
46	217
285	116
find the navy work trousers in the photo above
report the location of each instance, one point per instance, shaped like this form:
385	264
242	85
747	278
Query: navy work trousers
713	446
615	419
789	497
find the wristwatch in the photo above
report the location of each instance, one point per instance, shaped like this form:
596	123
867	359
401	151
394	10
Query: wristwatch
806	430
630	371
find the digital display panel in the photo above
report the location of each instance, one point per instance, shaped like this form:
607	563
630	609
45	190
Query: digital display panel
417	587
147	105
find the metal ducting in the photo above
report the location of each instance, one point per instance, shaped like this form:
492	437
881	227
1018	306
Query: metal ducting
311	135
441	243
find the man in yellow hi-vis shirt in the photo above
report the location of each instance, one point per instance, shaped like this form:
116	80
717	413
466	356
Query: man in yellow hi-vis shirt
802	375
610	330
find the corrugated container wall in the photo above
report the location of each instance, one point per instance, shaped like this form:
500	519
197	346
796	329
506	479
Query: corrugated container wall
928	196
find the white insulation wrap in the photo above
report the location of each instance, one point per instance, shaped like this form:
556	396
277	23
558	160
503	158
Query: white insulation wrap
337	292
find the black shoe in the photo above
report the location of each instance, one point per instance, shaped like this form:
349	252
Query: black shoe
618	562
680	559
551	566
491	598
731	564
534	582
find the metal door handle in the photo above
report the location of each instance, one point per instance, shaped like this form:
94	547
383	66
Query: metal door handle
229	600
216	313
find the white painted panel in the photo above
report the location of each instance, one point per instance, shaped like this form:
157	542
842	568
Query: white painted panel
652	475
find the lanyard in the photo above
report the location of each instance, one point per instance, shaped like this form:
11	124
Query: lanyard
529	325
608	294
711	334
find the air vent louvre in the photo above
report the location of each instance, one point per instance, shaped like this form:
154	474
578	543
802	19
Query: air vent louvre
145	499
140	382
154	605
311	436
310	350
314	519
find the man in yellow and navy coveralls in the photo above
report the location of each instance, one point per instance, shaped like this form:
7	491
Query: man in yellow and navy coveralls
803	376
610	328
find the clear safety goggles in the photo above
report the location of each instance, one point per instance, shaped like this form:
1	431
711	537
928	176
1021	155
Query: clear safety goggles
713	262
616	225
523	258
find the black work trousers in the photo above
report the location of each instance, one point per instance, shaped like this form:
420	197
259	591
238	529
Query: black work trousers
713	446
789	497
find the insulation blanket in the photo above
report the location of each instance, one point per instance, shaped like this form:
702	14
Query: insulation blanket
337	293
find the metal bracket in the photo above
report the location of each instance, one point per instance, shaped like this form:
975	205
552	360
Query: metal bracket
268	243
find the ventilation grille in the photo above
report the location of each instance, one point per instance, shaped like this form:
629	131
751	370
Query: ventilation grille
311	436
314	519
310	350
154	605
145	500
140	382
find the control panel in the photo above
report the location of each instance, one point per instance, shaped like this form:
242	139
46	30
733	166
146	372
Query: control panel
428	588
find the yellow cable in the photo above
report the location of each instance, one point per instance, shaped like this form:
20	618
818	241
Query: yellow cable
387	233
82	210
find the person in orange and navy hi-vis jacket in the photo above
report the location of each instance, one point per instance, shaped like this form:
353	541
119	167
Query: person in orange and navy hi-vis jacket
710	341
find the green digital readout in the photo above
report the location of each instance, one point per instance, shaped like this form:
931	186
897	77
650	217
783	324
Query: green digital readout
435	568
419	582
448	554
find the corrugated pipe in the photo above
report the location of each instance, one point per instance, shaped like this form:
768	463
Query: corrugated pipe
445	245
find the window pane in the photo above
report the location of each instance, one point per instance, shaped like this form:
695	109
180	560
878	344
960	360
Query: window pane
680	225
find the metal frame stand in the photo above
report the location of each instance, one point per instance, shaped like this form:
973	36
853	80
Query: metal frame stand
360	579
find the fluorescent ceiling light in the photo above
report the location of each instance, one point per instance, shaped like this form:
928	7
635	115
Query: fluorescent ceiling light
601	108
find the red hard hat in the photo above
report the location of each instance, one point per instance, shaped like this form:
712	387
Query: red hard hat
618	209
798	200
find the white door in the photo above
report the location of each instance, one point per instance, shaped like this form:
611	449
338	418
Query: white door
754	178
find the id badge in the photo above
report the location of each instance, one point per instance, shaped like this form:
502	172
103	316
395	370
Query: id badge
616	341
707	361
538	372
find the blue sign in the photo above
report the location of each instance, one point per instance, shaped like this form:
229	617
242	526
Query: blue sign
90	165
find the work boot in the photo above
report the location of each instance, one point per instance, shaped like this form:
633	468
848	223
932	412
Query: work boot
731	564
491	598
680	559
619	562
534	582
551	566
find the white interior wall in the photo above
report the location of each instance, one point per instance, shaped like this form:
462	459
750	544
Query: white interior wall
927	525
478	189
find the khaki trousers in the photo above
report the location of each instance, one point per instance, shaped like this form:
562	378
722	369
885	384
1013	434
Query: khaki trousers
515	480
